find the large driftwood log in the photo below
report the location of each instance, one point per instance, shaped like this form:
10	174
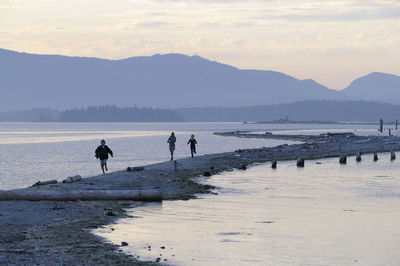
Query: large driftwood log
138	195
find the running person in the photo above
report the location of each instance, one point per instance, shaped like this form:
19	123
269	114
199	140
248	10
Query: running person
102	153
171	140
192	141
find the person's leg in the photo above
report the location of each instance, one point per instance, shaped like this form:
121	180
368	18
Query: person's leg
171	150
102	166
105	166
191	152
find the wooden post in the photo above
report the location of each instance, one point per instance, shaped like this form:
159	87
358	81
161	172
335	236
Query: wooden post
381	125
274	164
392	155
343	158
358	156
300	162
375	157
397	120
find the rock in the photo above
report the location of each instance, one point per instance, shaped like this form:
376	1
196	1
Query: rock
375	156
158	259
111	213
212	168
300	162
273	165
242	167
206	173
123	243
162	247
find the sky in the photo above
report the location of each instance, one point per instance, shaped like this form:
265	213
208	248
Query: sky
330	41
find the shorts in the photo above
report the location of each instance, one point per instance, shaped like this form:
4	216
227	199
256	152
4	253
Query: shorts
103	162
171	147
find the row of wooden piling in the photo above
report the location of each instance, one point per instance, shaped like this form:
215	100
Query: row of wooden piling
342	159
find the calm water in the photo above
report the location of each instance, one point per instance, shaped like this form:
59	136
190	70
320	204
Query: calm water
41	151
324	214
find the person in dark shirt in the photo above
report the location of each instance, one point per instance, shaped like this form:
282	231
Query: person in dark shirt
171	140
102	153
192	141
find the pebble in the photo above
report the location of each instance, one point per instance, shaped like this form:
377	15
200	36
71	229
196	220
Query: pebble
123	243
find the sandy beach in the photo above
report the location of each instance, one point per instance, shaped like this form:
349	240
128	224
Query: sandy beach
49	233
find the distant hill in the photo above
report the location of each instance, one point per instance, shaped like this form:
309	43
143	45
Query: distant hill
163	81
31	115
375	87
336	111
116	114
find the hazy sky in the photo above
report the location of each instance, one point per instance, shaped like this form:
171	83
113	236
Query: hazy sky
330	41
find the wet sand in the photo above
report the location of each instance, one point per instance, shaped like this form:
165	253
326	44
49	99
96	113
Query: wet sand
48	233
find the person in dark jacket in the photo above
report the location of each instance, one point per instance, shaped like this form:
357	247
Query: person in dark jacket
192	141
171	140
102	153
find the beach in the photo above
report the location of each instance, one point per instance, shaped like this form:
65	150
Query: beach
49	232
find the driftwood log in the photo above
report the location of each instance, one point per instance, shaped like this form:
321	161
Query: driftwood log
43	183
138	195
72	179
135	169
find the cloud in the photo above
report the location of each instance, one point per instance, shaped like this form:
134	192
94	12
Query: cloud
152	24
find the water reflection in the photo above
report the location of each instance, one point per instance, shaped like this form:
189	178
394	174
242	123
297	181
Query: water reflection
323	214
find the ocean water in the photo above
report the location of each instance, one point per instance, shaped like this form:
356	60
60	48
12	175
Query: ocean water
322	214
30	152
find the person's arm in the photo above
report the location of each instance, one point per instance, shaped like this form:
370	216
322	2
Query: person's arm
195	141
110	151
188	141
169	140
96	153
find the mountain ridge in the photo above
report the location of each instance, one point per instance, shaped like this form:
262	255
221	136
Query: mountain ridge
162	81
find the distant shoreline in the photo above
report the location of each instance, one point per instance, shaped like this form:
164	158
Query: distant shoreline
311	122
